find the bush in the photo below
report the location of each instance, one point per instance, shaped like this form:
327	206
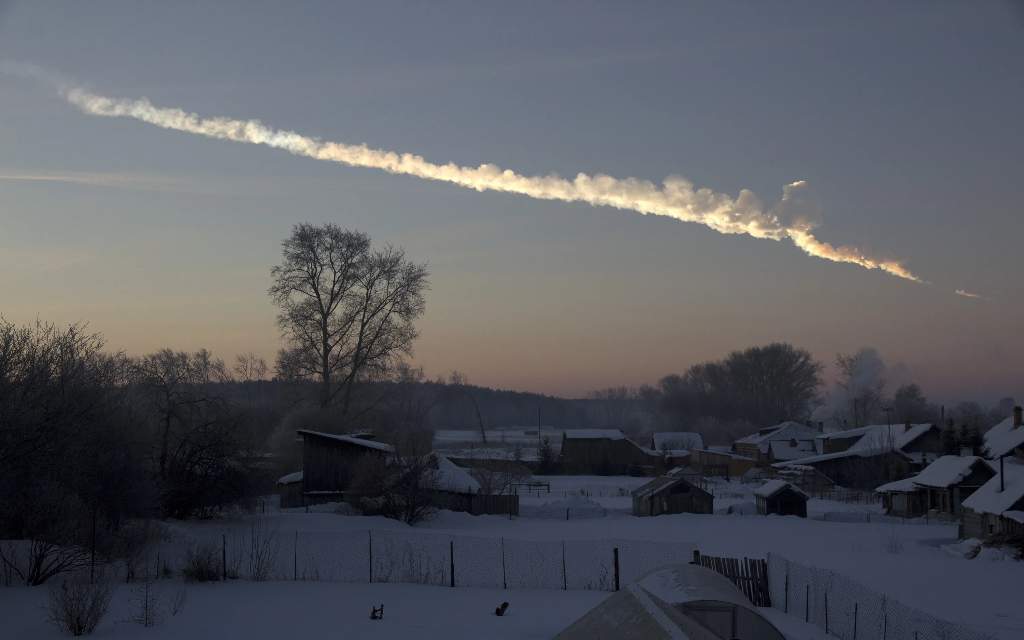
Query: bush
202	564
76	606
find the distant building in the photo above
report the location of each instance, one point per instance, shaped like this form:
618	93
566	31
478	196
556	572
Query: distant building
675	447
330	460
940	488
289	490
781	498
867	457
997	508
604	452
671	493
1006	438
721	462
455	489
785	441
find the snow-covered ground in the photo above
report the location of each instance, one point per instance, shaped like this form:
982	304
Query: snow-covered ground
300	610
905	562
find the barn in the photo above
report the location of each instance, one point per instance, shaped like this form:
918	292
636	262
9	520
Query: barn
671	493
604	452
329	461
781	498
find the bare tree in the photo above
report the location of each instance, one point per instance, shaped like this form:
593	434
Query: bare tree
250	367
346	309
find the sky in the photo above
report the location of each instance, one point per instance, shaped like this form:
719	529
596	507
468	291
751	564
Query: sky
902	118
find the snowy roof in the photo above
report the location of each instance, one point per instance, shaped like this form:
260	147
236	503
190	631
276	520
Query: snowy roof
451	477
594	434
881	436
905	485
773	487
783	431
787	450
1004	441
724	451
677	440
360	442
291	478
948	471
990	499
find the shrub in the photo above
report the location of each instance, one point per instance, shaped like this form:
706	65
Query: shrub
202	564
77	606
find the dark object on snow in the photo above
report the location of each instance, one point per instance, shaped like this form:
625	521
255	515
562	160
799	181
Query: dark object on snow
500	611
377	613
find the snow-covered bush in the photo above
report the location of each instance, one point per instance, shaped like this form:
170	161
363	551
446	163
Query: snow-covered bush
77	606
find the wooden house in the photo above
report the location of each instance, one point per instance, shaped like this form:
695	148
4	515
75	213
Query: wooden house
721	462
605	452
671	493
289	490
781	498
455	489
329	461
949	480
996	509
903	498
785	441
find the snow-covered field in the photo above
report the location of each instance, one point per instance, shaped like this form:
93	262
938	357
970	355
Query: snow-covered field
905	562
300	610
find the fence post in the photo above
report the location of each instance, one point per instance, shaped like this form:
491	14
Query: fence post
369	533
826	613
885	618
615	558
786	609
696	557
224	556
807	603
504	579
565	582
854	621
295	557
451	559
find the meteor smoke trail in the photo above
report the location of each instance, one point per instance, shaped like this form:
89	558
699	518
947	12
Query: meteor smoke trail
677	197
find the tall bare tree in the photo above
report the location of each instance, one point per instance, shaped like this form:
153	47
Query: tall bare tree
346	309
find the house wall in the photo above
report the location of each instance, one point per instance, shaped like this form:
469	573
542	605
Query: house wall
601	456
327	465
719	464
930	442
857	472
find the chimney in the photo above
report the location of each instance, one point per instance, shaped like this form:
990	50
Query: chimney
1018	416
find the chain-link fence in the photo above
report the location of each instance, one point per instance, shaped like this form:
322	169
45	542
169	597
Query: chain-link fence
419	557
851	611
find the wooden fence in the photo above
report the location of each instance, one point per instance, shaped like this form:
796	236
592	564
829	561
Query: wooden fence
750	575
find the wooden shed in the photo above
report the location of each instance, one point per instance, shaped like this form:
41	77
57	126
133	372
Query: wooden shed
329	461
671	493
604	452
781	498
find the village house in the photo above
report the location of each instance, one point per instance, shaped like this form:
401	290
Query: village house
1006	438
606	452
939	490
996	510
675	447
781	498
329	461
867	457
671	493
722	462
455	489
785	441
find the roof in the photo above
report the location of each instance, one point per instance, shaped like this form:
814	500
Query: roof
905	485
774	487
677	441
786	450
948	471
999	496
451	477
783	431
291	478
594	434
881	436
1003	438
725	452
359	442
660	484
